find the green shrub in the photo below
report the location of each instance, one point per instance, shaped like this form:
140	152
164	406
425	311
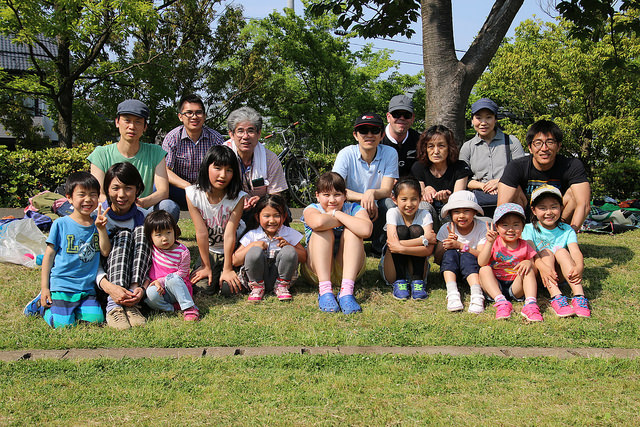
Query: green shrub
24	173
619	180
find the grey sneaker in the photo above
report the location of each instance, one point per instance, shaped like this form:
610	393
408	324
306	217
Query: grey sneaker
117	319
135	317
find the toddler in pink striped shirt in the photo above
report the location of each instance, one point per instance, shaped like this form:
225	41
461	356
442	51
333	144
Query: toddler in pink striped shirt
168	286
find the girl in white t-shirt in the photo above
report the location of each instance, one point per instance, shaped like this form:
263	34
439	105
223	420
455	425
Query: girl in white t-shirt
215	205
457	250
271	252
410	240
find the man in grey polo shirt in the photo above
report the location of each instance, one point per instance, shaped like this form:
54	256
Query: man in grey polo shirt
488	152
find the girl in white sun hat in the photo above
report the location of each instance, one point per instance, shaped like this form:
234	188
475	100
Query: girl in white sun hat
456	250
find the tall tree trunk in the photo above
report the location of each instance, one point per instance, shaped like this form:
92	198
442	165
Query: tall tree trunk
63	99
449	81
65	115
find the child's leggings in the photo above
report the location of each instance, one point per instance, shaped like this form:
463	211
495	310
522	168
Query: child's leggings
401	261
176	291
259	267
129	260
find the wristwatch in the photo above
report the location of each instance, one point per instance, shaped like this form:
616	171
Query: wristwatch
425	242
464	248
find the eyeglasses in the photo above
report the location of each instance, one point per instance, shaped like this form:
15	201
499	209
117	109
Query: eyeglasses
538	143
248	131
363	130
404	114
189	114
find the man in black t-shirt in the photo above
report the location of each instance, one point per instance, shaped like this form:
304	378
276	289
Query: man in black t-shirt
546	166
398	133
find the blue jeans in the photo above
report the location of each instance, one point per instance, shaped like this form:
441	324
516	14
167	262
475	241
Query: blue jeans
169	206
176	291
378	235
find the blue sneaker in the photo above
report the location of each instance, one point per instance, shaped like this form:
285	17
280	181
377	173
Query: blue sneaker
417	290
34	308
401	290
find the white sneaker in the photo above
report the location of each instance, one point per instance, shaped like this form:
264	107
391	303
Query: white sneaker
476	304
453	302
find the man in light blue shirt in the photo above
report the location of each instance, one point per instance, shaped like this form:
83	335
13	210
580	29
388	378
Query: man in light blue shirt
370	170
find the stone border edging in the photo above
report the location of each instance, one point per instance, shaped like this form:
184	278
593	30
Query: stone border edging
138	353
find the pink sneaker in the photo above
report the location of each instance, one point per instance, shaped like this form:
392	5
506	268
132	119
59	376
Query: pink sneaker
531	312
191	314
257	292
581	306
561	306
282	291
503	309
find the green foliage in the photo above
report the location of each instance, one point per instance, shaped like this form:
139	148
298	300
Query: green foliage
73	36
544	73
295	69
24	173
173	59
373	18
593	18
620	180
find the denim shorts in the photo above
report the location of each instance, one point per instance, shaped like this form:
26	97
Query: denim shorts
459	262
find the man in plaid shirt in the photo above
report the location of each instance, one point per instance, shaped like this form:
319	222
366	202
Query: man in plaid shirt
186	145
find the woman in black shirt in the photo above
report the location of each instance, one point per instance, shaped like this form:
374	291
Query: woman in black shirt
438	169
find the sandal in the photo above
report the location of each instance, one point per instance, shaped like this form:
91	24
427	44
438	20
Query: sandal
348	304
327	303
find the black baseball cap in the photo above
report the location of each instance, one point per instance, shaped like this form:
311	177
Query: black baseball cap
371	119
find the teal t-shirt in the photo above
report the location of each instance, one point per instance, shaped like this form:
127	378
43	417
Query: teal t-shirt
555	239
145	160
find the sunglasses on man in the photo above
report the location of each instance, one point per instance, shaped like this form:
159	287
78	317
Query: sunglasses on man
404	114
363	130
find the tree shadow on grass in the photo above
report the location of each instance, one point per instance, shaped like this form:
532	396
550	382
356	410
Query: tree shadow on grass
610	256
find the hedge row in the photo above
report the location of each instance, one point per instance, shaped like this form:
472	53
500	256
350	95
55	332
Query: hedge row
24	173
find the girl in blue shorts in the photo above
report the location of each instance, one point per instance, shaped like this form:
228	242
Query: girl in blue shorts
334	231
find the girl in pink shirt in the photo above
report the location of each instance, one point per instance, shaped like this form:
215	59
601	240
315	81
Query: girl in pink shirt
168	287
506	264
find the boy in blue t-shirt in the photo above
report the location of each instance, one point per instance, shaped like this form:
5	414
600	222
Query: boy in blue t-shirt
71	259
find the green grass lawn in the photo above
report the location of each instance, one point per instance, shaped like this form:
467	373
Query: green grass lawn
336	389
322	390
612	277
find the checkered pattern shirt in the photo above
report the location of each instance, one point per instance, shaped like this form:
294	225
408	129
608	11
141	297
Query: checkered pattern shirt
185	156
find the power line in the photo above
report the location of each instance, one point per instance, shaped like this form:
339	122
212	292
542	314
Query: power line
381	48
409	43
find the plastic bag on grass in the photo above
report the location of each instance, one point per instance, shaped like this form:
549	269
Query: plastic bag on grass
21	242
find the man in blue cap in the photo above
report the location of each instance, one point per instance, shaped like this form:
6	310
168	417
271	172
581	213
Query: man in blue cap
488	153
149	159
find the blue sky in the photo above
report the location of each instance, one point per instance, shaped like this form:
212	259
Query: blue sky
468	17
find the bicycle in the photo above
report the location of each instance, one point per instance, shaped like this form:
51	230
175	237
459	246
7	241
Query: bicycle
300	174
